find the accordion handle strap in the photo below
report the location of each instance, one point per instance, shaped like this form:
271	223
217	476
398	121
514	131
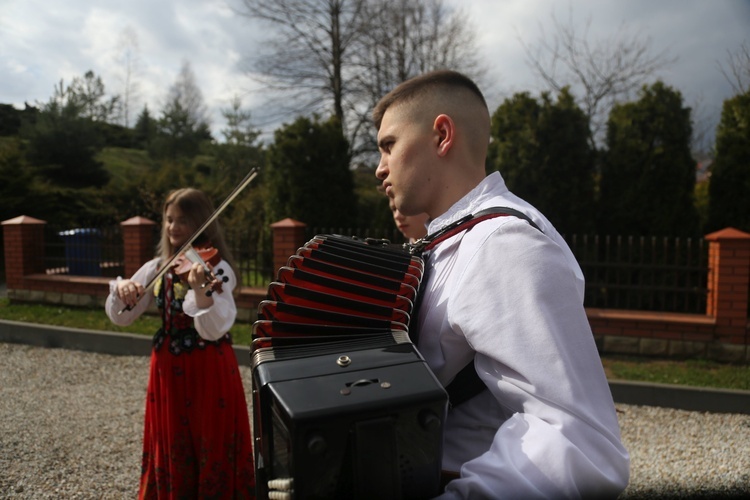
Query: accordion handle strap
465	223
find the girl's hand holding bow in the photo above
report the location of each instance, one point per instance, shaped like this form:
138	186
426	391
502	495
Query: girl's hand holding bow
129	292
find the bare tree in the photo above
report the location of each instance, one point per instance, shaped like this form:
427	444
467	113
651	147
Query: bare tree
129	60
185	92
406	38
737	70
704	127
306	54
601	72
340	56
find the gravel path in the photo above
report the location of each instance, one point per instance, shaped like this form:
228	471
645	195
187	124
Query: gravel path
71	425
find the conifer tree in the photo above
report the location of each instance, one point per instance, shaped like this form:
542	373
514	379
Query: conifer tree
729	187
648	173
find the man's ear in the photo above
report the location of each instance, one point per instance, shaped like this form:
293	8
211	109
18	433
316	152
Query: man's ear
445	130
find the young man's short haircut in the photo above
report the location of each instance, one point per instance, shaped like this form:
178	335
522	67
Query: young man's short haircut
418	85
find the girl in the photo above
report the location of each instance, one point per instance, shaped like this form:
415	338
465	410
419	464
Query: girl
412	227
196	439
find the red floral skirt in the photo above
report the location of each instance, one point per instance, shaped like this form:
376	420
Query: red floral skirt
196	439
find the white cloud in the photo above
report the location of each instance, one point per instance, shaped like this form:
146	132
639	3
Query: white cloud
697	33
44	41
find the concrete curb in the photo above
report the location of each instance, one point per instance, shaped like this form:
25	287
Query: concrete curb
680	397
626	392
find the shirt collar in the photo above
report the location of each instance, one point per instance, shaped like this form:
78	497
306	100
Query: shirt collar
491	185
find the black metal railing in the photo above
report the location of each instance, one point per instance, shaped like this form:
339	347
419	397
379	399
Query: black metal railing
391	233
84	251
643	273
253	257
99	252
622	272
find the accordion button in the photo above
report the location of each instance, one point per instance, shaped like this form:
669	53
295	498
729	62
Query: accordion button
316	445
429	421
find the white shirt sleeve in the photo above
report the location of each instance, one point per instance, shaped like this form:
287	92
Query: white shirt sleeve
115	308
211	323
516	305
215	321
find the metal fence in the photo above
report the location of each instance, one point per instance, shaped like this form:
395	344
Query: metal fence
253	257
84	251
391	233
622	272
643	273
99	252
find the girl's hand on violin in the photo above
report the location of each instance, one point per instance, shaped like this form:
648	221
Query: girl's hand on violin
196	276
197	280
129	291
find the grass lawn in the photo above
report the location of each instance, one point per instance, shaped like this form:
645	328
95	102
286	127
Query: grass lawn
92	319
694	372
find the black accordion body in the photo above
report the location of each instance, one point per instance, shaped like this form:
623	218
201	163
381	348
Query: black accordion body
344	406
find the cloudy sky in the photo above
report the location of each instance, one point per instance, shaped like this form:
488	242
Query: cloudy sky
44	41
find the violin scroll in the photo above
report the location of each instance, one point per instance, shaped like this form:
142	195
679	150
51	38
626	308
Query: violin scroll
216	283
207	257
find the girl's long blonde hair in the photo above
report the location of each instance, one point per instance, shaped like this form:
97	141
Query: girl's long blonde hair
196	208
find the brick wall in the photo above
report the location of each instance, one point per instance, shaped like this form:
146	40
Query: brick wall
722	333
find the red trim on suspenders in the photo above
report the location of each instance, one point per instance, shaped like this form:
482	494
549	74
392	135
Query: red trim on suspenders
464	224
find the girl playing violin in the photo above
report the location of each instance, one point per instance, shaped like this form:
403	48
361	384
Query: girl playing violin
196	439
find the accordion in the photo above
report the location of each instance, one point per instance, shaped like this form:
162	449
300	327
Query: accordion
344	406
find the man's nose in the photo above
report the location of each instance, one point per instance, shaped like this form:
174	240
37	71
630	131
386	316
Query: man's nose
382	171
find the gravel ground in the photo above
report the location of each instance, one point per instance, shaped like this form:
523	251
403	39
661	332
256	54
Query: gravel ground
71	426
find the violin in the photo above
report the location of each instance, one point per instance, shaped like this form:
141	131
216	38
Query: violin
207	257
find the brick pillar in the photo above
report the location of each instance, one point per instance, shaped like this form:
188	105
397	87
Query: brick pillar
728	283
24	248
288	236
138	241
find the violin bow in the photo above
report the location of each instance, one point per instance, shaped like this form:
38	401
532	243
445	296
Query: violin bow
189	242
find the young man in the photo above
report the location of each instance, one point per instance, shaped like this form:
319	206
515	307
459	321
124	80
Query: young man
505	297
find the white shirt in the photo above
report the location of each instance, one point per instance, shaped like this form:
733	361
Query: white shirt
211	323
511	298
